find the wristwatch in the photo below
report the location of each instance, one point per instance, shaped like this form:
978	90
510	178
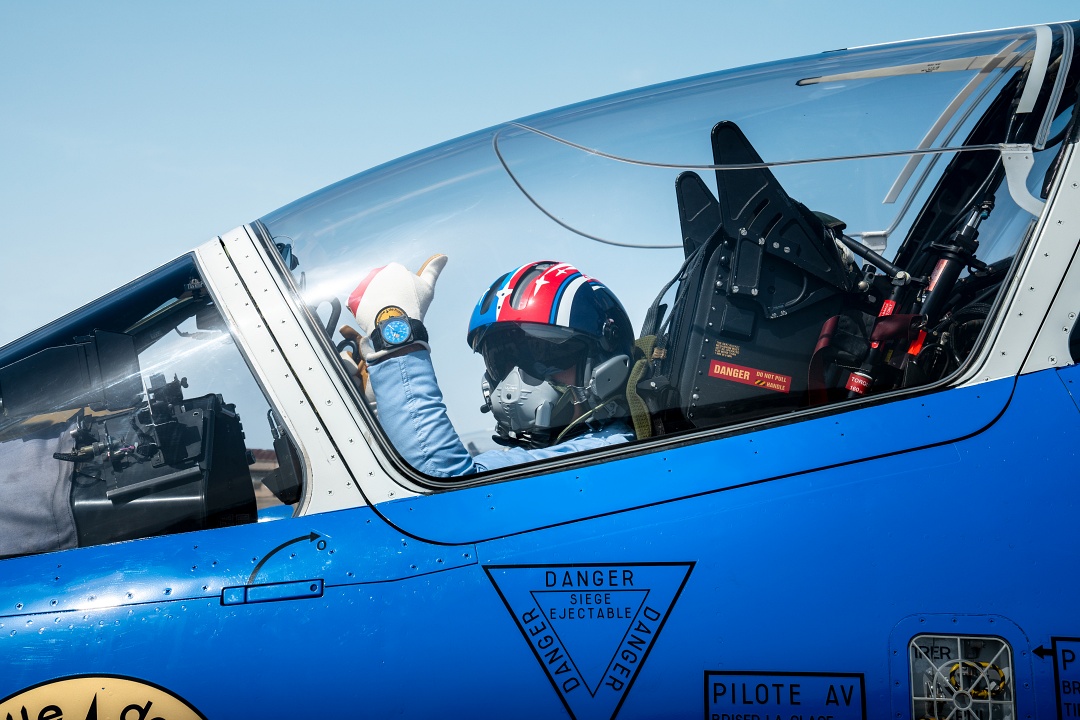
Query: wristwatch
394	329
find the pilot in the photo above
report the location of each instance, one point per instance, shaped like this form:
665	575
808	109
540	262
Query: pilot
556	345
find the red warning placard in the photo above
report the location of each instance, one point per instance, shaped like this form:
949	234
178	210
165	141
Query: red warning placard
750	376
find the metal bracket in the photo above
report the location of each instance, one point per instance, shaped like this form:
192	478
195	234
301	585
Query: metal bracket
1018	161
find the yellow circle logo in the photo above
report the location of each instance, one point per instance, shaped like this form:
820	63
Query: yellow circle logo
97	697
390	311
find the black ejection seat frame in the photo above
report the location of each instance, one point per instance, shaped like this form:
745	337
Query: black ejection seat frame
763	276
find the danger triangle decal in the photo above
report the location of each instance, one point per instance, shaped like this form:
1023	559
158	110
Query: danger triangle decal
591	627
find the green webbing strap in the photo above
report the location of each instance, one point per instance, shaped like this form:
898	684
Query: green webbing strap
639	411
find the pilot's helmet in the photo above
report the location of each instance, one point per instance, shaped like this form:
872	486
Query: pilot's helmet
532	326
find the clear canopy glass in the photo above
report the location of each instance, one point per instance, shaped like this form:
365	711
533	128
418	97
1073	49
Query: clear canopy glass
882	138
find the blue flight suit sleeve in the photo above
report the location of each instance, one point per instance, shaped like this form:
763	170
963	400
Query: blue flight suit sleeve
413	415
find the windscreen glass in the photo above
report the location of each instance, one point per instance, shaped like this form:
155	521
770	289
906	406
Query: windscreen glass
736	199
133	417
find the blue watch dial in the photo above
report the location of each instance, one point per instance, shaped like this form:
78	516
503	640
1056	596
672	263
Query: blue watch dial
396	331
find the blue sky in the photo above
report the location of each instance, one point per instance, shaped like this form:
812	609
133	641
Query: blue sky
132	132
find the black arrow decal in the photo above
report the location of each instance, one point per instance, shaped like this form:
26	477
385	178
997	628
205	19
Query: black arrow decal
1042	652
311	537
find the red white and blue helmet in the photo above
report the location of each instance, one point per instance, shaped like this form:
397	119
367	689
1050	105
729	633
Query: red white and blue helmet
548	315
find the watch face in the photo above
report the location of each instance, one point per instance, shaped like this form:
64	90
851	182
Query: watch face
396	331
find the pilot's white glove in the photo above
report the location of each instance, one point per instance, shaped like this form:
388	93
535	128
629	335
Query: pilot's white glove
355	367
393	286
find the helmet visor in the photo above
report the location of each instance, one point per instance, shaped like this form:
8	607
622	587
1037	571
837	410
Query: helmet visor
539	350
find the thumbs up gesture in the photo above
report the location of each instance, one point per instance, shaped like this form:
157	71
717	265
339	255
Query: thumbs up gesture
393	286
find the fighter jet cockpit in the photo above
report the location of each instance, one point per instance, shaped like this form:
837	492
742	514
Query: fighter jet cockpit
713	255
133	417
784	238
